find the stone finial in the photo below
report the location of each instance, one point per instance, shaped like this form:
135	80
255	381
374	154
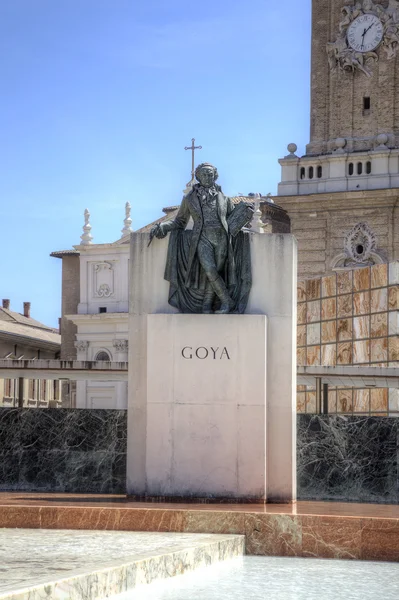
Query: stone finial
381	140
86	237
292	148
340	144
127	221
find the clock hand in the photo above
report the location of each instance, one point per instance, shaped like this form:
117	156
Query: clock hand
366	30
363	34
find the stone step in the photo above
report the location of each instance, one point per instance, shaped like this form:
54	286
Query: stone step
89	565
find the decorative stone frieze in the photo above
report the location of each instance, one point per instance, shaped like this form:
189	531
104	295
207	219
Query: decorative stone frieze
121	345
82	345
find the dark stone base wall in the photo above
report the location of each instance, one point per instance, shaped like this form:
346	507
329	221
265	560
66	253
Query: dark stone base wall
351	459
61	450
342	458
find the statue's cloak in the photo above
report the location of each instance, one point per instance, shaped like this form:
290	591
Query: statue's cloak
188	279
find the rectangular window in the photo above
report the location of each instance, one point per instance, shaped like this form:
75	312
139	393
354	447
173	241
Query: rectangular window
366	103
102	309
7	388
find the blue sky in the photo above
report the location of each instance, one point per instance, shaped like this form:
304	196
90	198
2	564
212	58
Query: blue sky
99	98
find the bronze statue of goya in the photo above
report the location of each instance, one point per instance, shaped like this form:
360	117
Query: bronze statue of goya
209	266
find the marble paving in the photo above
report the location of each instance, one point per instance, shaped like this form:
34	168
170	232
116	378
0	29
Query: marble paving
279	579
74	565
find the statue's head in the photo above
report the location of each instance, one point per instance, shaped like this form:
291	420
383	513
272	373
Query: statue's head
206	174
367	4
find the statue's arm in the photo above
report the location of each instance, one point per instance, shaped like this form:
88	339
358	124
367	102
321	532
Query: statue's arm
181	219
179	222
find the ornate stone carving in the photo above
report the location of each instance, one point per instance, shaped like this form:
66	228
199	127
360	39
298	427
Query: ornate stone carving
343	57
81	345
359	244
121	345
103	279
360	249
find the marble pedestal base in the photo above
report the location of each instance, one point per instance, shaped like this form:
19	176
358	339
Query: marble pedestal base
206	406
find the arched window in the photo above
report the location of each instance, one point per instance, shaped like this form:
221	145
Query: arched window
310	172
368	167
359	168
350	169
302	175
102	355
319	172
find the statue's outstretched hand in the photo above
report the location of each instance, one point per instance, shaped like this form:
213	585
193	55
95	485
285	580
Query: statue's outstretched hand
158	232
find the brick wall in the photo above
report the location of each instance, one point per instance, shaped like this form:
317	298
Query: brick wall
70	300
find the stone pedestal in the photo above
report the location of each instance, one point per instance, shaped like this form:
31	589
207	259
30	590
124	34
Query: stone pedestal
211	410
206	406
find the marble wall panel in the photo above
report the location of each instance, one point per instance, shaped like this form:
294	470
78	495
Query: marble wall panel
361	328
313	334
393	297
379	300
328	286
344	308
313	356
378	325
344	353
329	355
361	401
344	282
393	349
379	276
361	303
63	450
361	279
313	289
344	330
361	352
329	332
311	402
301	313
301	335
301	357
339	457
301	291
328	309
332	401
313	311
345	400
393	274
301	402
394	322
347	458
393	398
379	350
379	400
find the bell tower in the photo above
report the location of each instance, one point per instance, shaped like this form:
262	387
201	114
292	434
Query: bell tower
350	172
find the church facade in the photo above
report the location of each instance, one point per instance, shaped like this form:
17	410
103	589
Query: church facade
342	195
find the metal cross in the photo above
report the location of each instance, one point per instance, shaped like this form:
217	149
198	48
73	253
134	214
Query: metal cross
193	148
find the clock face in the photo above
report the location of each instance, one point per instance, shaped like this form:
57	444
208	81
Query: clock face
365	33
